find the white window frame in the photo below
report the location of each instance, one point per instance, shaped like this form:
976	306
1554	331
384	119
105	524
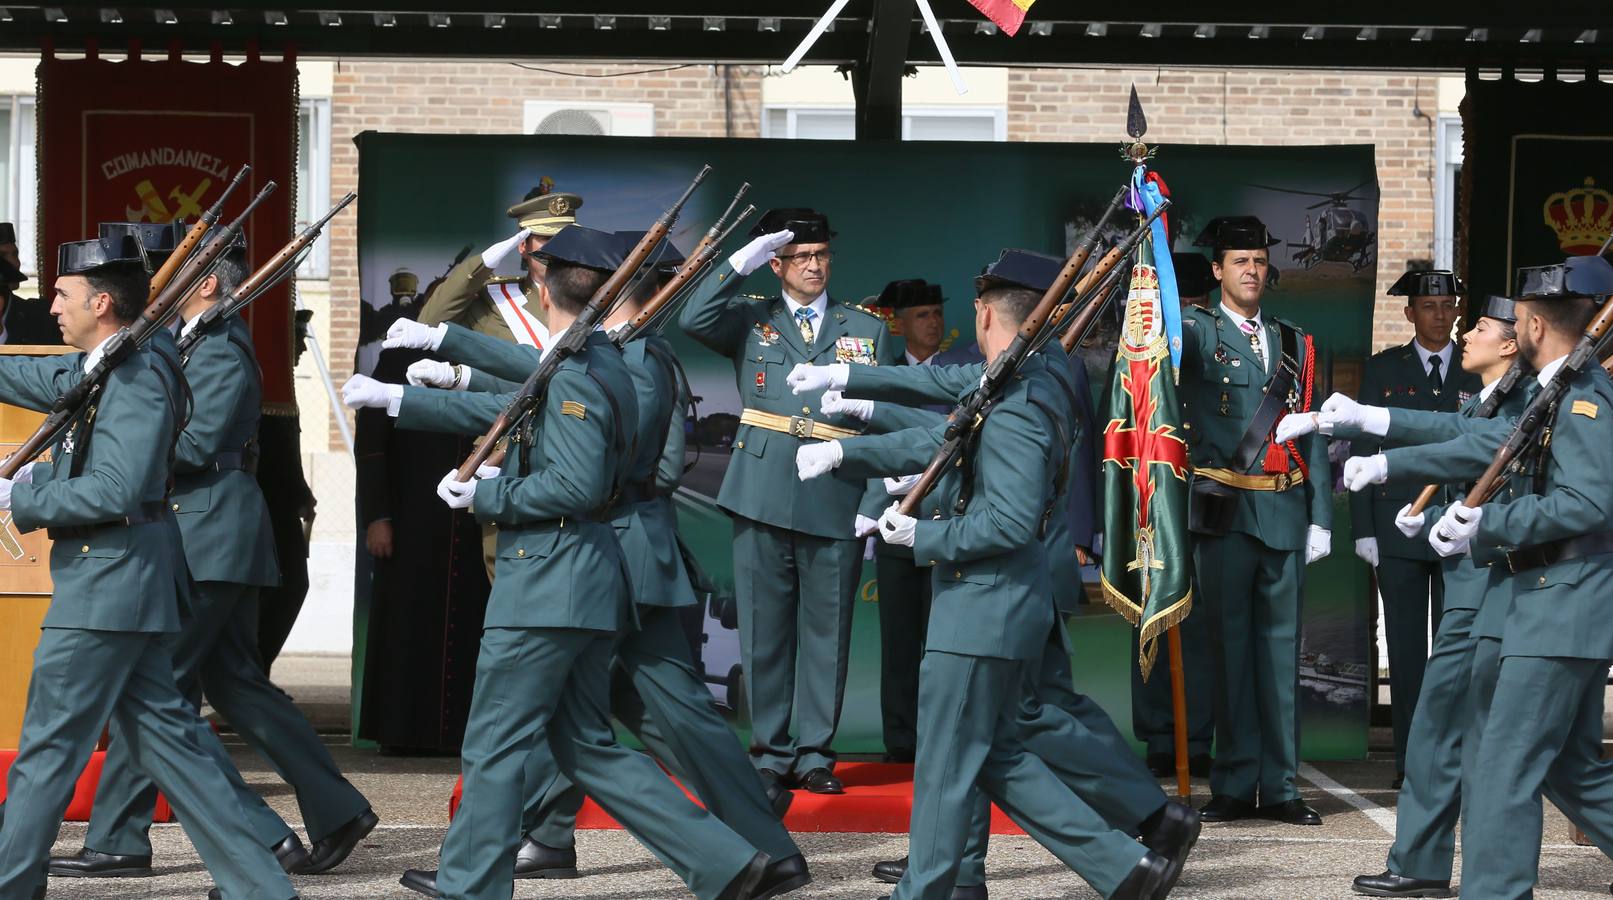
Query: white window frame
316	174
1447	184
639	118
22	206
997	114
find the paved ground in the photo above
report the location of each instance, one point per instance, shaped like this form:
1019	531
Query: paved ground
1239	861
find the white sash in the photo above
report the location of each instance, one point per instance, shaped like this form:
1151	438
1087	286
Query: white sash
507	298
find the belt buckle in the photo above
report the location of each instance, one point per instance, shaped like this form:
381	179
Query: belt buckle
1282	481
800	427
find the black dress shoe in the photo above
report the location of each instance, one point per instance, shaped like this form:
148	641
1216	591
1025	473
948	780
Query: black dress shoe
421	881
1151	879
88	863
1391	885
783	876
538	860
1172	831
743	885
291	855
332	850
822	781
1198	765
1291	812
1161	765
1226	809
891	871
778	792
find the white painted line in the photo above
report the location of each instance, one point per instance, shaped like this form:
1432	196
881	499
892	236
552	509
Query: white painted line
1383	818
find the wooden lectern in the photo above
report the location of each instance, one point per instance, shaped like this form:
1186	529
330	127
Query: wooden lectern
24	574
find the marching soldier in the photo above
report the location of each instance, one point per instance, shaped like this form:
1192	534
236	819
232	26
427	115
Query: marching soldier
796	559
503	306
118	584
1423	374
561	598
225	530
1260	513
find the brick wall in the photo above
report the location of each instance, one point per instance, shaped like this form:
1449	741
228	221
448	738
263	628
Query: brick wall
1207	106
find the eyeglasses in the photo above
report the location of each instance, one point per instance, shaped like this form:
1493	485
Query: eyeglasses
805	257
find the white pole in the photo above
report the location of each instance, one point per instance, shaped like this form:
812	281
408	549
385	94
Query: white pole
942	48
336	407
818	28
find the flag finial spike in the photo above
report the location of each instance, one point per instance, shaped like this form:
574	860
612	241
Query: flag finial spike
1136	122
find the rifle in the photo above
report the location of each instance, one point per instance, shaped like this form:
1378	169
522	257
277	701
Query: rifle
695	265
575	337
1074	331
165	273
129	338
267	276
970	413
1486	410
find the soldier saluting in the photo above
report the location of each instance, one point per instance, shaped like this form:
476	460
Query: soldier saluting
1260	513
796	559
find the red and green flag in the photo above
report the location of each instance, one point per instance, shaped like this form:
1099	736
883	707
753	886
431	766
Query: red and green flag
1008	14
1147	563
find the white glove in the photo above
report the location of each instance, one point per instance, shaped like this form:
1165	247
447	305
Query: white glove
1454	531
806	378
433	374
1409	525
25	475
1295	425
750	257
898	487
812	460
1360	471
835	403
497	253
457	494
864	526
5	492
487	471
1341	410
1367	549
1318	543
411	335
895	528
362	391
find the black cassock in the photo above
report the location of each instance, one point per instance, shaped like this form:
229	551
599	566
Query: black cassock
428	598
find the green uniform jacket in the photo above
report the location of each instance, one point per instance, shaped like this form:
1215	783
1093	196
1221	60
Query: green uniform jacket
1221	384
121	577
555	513
462	298
647	529
764	344
1395	378
991	584
222	516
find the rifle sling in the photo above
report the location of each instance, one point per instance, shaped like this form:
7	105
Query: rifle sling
1253	443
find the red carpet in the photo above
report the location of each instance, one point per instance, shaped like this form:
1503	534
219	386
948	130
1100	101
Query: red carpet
878	798
84	791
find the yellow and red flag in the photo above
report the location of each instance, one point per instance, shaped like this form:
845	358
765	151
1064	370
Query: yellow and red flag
1008	14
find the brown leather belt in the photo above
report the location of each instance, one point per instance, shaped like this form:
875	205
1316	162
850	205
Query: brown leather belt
1282	481
795	426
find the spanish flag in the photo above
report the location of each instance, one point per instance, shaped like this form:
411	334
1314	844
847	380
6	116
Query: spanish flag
1008	14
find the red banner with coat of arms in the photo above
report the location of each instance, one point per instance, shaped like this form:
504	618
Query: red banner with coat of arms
158	140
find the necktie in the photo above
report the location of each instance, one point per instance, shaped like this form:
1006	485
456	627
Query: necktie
1434	377
1252	331
803	321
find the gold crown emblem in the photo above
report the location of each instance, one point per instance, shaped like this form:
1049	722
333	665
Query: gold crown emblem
1582	218
559	206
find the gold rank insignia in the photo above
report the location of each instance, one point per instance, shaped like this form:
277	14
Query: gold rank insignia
1584	408
573	408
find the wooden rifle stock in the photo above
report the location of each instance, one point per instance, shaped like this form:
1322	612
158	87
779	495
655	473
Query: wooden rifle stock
692	266
1077	328
1486	410
575	337
165	272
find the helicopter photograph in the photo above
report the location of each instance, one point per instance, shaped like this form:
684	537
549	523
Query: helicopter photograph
1338	233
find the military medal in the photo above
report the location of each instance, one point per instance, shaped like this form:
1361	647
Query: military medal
854	350
761	382
766	335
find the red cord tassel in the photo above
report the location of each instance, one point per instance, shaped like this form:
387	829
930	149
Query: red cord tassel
1278	455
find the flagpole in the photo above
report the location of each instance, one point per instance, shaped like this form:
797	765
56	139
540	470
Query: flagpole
1184	781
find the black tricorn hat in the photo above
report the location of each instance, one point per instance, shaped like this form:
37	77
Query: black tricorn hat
809	225
907	293
1020	268
158	239
579	245
10	274
1577	276
1428	283
8	234
80	257
1499	307
1194	277
1235	233
666	257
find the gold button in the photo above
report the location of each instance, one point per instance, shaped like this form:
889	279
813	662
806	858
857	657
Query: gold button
806	410
84	549
176	507
739	444
1225	380
520	553
1542	579
957	574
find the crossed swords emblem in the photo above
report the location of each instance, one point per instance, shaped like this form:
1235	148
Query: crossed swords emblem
153	209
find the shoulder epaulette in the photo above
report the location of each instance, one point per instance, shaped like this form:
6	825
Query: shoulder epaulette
756	296
864	310
504	279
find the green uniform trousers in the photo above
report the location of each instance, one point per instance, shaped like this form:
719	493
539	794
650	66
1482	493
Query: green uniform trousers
657	694
1542	735
1252	595
794	594
904	617
1153	719
534	684
1413	594
217	651
81	679
1081	747
969	738
1431	797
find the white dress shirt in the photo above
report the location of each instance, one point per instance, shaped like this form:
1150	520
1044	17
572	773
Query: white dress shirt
1237	322
1445	354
